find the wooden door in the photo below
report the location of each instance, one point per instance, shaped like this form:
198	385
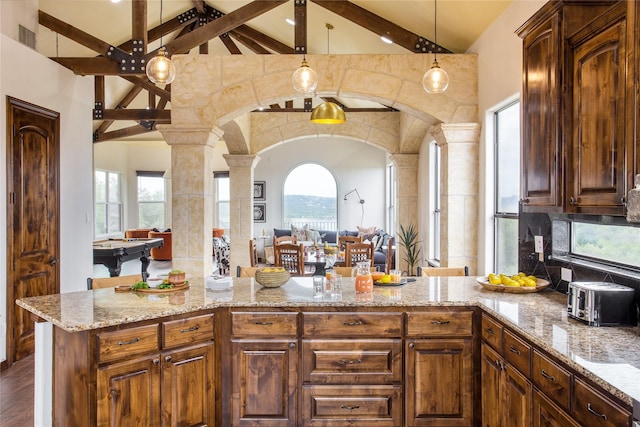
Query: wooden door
188	387
264	382
491	365
547	414
129	393
517	398
33	148
596	183
439	382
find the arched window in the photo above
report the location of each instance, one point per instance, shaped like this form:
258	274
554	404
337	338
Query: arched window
310	197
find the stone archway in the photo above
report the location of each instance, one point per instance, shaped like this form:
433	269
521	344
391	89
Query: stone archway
219	92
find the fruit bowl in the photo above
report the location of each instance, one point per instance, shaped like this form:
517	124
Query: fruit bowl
540	285
272	277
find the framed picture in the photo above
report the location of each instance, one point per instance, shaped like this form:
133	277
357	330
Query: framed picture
259	212
259	190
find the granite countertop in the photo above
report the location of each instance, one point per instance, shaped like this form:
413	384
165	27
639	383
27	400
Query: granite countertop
610	356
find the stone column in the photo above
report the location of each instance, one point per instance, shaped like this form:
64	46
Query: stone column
192	196
406	202
459	194
241	206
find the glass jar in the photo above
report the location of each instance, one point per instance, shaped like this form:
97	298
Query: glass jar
364	281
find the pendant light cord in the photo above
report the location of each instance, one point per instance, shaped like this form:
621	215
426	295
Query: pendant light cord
160	23
435	29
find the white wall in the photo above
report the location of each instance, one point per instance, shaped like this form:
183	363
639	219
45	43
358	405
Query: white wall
353	165
26	75
499	52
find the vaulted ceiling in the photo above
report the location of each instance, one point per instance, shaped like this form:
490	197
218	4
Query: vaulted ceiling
94	37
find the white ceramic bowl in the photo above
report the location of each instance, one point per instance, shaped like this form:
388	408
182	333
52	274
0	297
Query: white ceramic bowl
154	282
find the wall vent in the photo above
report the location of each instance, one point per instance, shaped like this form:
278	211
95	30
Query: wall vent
27	37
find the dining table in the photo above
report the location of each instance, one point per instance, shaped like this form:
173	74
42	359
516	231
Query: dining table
321	261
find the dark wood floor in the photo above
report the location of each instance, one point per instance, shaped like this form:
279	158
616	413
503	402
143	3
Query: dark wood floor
16	394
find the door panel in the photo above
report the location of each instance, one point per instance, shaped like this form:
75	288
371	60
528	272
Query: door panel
32	216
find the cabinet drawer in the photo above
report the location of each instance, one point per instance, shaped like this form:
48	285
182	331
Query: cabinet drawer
366	406
440	323
593	409
187	331
551	378
492	332
352	324
517	352
264	323
352	361
127	342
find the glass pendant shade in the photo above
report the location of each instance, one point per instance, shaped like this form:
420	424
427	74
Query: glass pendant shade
160	69
328	113
304	79
436	80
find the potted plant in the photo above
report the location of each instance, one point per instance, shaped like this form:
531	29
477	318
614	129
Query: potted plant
176	277
411	245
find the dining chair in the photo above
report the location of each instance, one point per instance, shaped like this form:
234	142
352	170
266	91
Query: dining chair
253	252
285	239
246	271
389	261
111	282
343	240
357	252
291	257
348	271
443	271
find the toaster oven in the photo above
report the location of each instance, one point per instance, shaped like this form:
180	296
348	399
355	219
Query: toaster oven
602	303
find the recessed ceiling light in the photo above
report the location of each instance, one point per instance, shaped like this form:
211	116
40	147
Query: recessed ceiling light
290	21
386	40
115	1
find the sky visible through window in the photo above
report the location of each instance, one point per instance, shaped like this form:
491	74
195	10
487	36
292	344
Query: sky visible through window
310	180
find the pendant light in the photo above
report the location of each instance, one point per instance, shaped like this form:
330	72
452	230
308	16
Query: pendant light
436	80
328	113
304	79
160	69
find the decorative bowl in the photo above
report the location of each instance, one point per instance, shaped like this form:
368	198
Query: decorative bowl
272	279
540	285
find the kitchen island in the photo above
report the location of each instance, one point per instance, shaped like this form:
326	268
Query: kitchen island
306	342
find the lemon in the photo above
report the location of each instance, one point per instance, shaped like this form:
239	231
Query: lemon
386	278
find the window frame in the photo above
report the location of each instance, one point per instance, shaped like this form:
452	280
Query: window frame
151	174
107	203
219	201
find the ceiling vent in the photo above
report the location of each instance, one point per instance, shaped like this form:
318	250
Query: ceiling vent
26	37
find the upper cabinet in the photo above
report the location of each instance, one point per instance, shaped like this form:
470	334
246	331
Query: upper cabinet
578	142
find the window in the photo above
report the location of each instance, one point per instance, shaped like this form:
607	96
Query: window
223	196
507	187
108	200
391	198
310	197
435	201
611	243
151	199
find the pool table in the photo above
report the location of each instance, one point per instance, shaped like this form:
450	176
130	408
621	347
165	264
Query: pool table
113	252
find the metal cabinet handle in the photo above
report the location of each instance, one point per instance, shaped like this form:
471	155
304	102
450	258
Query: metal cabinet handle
547	376
439	322
168	359
512	349
623	200
156	362
263	323
356	323
52	261
191	329
411	345
524	201
573	200
350	408
590	409
490	331
133	341
350	362
292	345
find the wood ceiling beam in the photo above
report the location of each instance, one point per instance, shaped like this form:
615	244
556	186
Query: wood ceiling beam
120	133
124	103
139	23
380	26
250	44
300	32
231	46
177	22
146	84
220	26
156	115
263	40
98	66
199	5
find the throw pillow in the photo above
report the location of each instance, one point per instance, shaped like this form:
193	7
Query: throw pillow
369	230
299	232
313	236
377	240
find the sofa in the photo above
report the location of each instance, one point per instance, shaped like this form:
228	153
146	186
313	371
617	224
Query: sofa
380	237
163	253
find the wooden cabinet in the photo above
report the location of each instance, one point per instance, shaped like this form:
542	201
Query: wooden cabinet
592	408
264	368
578	117
597	178
439	368
352	369
547	414
506	393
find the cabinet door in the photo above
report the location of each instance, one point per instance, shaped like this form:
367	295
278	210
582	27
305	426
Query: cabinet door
541	155
188	387
129	393
546	414
491	372
439	382
596	181
517	398
264	379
